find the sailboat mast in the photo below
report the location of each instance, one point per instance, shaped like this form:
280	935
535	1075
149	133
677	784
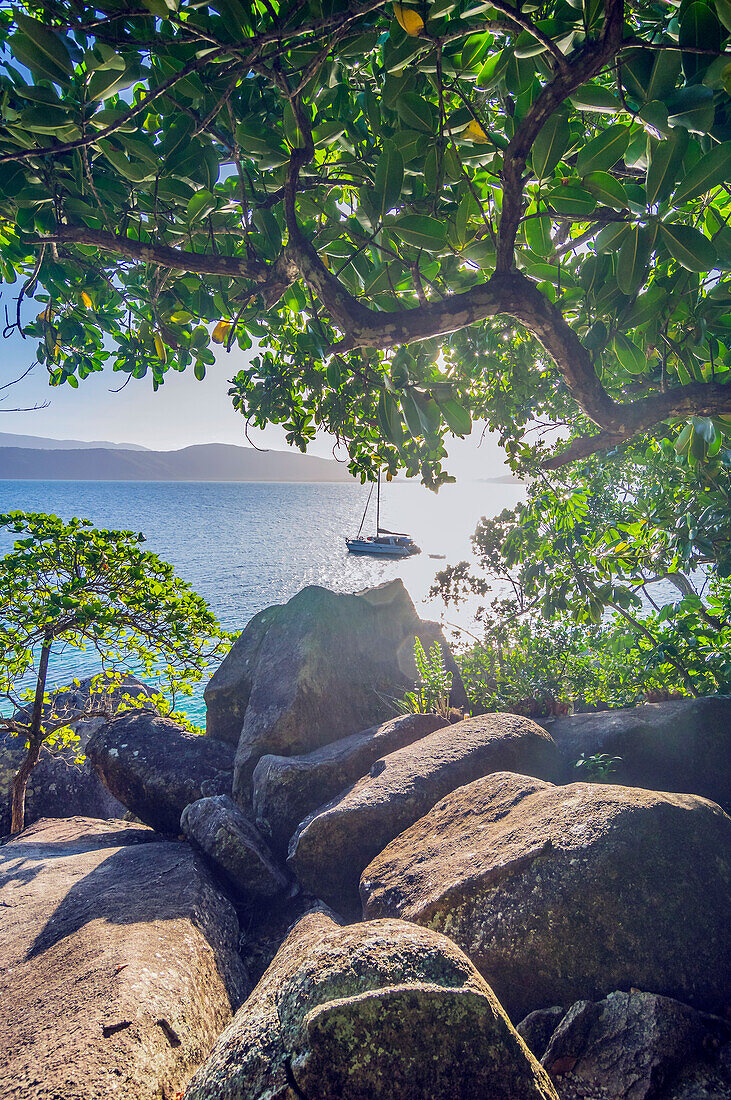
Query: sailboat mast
378	504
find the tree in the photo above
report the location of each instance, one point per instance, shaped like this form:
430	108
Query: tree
592	544
68	584
420	213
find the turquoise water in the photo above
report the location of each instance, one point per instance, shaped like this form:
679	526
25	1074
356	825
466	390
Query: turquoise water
246	546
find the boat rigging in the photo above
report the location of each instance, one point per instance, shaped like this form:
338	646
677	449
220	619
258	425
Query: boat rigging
384	544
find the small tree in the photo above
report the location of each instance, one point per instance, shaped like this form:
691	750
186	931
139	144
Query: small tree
68	584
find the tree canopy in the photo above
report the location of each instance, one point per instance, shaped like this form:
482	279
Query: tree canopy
638	539
71	585
412	214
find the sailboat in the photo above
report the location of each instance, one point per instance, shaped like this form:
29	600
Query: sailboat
384	544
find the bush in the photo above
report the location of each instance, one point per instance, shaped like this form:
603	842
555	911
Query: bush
540	668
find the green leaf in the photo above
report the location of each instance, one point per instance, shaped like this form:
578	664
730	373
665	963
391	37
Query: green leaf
632	358
473	49
518	74
712	170
664	74
421	231
292	130
718	73
637	73
202	203
389	178
721	236
50	51
457	417
648	307
176	137
411	413
699	28
549	145
662	172
128	167
610	238
604	150
415	111
723	11
46	120
199	371
607	189
328	132
572	199
494	69
683	441
559	31
104	83
692	107
389	419
379	281
689	247
592	97
538	234
411	144
632	260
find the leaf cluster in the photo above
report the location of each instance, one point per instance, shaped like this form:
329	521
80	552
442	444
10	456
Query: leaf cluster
184	176
68	584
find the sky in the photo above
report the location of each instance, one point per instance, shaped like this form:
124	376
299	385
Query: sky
182	412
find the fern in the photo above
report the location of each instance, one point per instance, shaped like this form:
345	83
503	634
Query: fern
434	683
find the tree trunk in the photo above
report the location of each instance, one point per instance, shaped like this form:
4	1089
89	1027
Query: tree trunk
20	784
35	740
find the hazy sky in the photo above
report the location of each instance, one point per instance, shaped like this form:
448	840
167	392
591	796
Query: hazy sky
182	412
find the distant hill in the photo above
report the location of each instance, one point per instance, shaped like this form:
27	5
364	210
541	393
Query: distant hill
8	439
206	462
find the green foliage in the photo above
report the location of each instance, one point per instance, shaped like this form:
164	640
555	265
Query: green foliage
296	179
546	669
71	585
597	768
431	692
635	549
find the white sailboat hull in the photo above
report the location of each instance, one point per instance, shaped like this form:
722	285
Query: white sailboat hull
376	548
384	544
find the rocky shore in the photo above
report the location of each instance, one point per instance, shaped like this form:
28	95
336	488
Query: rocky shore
323	900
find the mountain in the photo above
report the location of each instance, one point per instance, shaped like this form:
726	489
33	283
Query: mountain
8	439
205	462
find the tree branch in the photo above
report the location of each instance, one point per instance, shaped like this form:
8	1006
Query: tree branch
626	421
589	61
235	267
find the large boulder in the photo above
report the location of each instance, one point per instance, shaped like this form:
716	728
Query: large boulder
372	1010
626	1047
683	745
233	848
566	893
118	963
288	788
63	783
318	668
156	767
333	845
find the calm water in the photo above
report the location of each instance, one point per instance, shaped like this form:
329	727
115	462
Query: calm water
246	546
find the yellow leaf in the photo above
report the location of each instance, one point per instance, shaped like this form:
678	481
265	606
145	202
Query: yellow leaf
45	314
408	19
86	300
389	477
474	132
221	331
160	348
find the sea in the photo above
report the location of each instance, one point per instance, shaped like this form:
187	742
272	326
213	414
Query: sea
246	546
